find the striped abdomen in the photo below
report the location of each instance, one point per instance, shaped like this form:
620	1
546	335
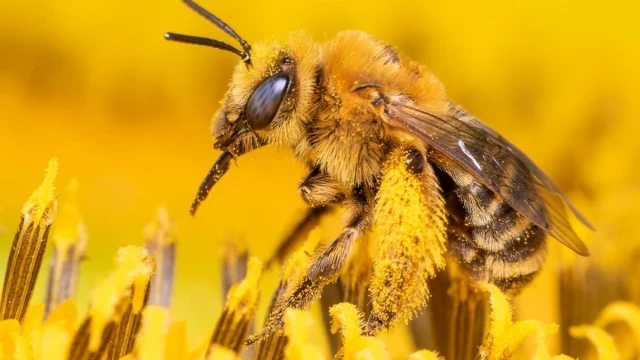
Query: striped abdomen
491	240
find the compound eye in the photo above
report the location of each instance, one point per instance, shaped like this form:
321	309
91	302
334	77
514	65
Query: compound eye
414	161
265	101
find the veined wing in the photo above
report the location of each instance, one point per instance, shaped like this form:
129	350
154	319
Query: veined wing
494	162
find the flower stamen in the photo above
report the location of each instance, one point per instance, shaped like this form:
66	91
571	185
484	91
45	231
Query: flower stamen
161	243
233	325
28	248
600	339
69	242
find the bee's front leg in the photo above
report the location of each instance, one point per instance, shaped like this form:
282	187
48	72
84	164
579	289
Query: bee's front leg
318	189
320	192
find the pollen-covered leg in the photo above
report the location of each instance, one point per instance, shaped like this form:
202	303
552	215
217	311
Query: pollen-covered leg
356	277
325	266
298	234
409	229
320	192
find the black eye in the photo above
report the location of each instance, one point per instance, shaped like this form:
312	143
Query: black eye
414	161
265	101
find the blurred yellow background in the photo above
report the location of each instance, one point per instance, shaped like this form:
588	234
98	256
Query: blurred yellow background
127	113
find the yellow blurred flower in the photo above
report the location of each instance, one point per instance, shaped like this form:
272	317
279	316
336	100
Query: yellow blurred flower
121	323
94	84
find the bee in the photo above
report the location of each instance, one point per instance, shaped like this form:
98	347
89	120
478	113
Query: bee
342	107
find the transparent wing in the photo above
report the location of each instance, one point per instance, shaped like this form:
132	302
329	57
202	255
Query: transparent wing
494	162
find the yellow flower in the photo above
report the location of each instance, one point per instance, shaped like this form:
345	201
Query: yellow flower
69	241
161	241
300	327
28	248
603	342
347	320
122	323
505	336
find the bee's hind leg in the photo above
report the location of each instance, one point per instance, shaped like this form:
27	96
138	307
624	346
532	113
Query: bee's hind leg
320	192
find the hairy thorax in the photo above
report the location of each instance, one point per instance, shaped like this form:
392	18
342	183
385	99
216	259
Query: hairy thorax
348	136
348	139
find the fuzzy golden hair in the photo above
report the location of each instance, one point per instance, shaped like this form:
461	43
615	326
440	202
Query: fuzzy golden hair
288	128
328	117
348	136
358	113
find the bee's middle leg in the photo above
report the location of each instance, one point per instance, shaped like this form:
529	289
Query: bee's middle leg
320	192
328	263
298	234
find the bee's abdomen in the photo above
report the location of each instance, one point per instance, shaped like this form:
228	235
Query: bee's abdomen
491	240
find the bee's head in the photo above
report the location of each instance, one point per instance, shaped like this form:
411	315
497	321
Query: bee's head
270	101
271	97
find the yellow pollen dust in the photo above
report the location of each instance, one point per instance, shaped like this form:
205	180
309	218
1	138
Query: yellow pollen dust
506	336
295	269
300	329
409	229
41	201
346	318
133	268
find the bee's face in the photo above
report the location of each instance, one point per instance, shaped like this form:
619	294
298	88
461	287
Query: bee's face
270	101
